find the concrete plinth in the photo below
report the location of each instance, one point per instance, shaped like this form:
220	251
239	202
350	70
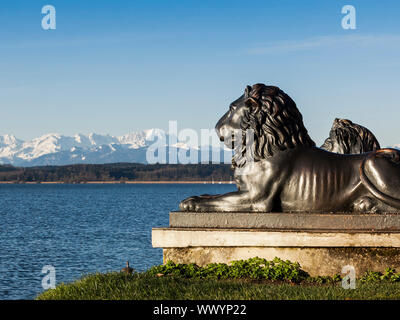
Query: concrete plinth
289	221
319	245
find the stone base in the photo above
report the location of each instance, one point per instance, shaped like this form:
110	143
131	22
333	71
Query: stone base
318	252
285	221
322	243
316	261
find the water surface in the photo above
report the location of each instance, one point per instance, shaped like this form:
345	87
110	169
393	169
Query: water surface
81	229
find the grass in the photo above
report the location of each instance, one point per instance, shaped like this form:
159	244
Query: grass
252	279
120	286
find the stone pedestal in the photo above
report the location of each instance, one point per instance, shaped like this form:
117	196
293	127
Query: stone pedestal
321	243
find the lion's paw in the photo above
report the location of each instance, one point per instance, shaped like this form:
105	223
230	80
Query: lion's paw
189	204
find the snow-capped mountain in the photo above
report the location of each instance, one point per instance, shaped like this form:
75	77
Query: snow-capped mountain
56	149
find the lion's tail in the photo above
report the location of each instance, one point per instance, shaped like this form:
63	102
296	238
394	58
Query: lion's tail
383	167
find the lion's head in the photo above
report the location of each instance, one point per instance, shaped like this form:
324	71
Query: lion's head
347	137
272	116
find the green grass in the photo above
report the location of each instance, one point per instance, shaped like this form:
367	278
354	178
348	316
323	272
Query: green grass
252	279
119	286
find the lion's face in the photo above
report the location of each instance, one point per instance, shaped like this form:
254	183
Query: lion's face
262	122
339	134
230	122
334	143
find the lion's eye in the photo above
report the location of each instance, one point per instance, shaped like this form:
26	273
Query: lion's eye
232	107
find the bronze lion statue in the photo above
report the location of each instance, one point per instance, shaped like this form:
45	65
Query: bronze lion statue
347	137
288	173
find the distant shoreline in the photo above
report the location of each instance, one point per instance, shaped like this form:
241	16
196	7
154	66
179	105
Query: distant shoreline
121	182
115	173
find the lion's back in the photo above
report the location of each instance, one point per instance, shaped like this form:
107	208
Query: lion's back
318	180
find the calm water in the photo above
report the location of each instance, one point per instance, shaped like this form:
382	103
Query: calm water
81	229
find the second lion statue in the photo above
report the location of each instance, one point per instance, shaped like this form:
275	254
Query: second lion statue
288	173
347	137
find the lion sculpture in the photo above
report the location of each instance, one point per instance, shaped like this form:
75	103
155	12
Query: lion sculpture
288	173
347	137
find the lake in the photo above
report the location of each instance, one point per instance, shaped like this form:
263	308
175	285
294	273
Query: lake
81	229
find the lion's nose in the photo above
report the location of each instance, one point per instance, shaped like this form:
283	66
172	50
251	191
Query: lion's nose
218	130
221	132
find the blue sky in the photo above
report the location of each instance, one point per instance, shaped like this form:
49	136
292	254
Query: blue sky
120	66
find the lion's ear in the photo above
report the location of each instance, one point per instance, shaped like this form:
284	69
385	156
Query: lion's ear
247	91
251	103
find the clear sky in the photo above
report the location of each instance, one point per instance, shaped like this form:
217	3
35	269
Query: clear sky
120	66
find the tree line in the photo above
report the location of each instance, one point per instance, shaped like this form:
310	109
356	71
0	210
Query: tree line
80	173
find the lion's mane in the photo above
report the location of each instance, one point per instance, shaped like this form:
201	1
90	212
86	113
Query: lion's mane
276	122
351	137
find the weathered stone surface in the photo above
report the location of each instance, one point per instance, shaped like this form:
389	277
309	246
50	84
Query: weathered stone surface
316	261
292	221
318	252
191	237
321	243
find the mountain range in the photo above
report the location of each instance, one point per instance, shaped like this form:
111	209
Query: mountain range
56	149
